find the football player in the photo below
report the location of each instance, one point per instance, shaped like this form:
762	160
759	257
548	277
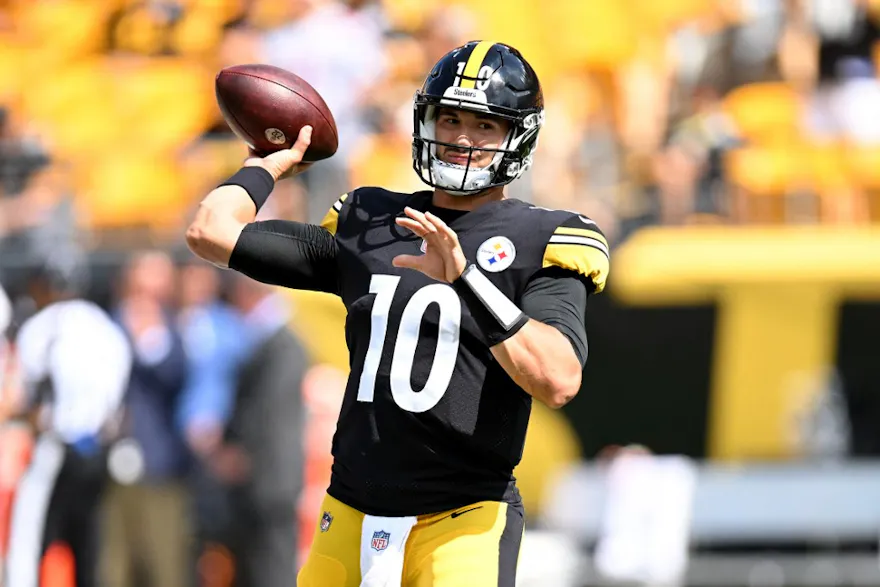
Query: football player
463	305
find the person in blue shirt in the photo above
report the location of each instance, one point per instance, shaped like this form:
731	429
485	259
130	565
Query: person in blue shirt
147	528
216	343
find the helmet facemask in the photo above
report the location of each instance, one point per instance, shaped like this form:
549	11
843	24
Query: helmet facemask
511	158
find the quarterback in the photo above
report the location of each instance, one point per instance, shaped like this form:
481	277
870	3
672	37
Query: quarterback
463	306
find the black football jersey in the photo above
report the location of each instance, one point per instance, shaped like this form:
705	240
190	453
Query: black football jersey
430	421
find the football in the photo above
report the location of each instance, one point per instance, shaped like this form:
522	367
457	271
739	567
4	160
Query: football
266	107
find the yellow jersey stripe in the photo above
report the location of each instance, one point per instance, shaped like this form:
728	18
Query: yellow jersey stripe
474	62
582	232
331	219
583	259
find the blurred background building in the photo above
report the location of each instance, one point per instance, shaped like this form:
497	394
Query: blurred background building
728	432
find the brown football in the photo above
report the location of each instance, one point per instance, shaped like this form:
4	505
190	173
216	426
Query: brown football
267	106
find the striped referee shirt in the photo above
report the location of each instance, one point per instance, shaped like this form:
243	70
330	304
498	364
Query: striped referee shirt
85	357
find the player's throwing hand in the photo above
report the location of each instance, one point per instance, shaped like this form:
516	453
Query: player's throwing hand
443	259
287	161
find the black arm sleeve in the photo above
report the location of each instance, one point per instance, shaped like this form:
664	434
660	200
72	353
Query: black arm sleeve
290	254
559	298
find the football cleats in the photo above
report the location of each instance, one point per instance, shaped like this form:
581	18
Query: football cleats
487	77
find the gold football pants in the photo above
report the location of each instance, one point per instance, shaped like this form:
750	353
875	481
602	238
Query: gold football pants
475	545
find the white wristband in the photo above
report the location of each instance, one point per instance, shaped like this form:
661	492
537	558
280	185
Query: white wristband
505	311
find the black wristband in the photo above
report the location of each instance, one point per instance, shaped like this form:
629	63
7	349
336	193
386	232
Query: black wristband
496	316
256	181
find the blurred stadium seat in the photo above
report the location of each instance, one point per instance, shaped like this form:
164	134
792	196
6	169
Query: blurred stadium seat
863	162
73	108
75	28
774	174
863	165
765	113
163	103
409	15
763	170
133	190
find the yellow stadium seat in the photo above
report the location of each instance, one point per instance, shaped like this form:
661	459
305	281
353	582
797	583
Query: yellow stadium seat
663	16
199	33
74	108
140	29
224	10
59	95
769	178
834	178
864	166
760	178
826	167
409	15
595	35
765	113
516	23
761	171
12	67
62	30
133	190
88	131
863	163
267	14
562	35
164	103
778	170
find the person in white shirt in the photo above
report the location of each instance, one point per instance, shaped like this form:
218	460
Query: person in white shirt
5	321
75	363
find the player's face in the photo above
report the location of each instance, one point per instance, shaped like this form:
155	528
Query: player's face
469	129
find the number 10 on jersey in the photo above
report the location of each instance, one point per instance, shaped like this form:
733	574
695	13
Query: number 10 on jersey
405	342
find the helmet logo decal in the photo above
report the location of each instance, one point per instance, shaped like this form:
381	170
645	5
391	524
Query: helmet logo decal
466	93
465	98
533	120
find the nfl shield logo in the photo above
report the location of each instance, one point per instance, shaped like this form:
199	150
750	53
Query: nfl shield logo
326	520
380	540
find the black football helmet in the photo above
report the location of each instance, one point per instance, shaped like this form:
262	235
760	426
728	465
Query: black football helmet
486	77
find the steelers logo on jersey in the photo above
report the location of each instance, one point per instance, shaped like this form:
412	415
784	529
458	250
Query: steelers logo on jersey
496	254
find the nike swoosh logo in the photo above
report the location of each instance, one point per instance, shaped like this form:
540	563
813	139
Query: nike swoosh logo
456	514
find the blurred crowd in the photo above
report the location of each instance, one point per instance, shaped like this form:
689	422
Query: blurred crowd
217	452
658	111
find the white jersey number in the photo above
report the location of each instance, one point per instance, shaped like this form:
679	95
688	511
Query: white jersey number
405	342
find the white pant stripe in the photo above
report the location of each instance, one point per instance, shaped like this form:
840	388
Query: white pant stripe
29	512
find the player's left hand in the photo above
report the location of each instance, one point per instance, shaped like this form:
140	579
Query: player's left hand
443	259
